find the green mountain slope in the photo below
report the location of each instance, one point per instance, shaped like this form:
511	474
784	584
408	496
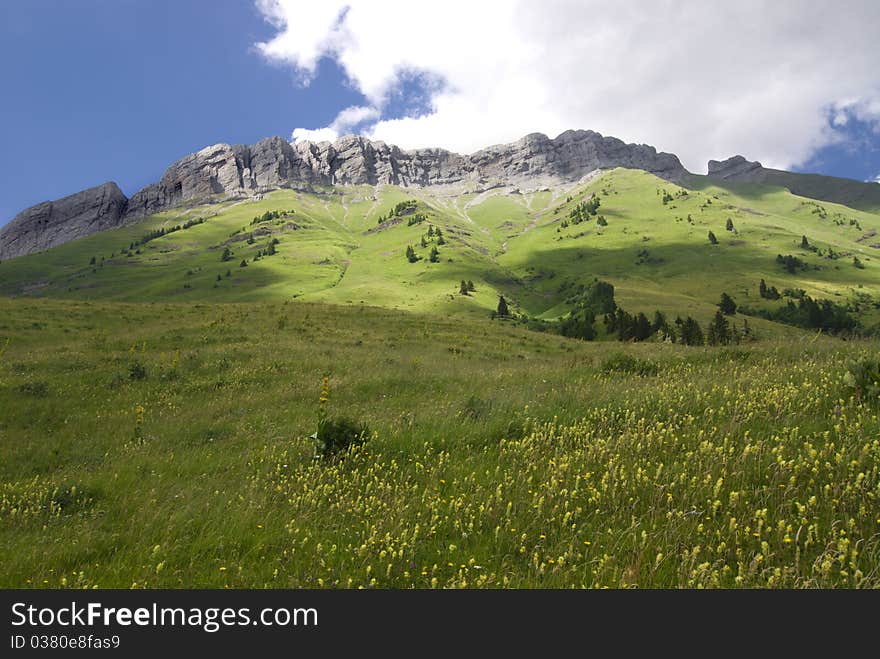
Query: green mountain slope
341	245
855	194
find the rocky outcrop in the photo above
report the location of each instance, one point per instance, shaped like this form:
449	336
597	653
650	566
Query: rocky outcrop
352	160
569	157
215	170
52	223
535	161
224	171
736	168
855	194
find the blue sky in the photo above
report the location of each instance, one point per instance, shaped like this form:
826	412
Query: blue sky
118	89
99	90
856	156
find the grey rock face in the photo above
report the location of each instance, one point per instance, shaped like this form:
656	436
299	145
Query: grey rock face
241	170
215	170
353	160
735	168
569	157
52	223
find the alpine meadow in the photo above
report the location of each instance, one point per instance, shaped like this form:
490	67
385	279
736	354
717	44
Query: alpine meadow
623	379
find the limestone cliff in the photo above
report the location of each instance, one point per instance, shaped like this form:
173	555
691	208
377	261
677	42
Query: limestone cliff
52	223
223	171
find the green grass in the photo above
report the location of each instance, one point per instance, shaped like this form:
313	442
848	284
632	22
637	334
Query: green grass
155	420
167	445
510	243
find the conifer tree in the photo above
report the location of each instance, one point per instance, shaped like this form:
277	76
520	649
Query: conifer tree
691	334
659	322
641	327
719	330
727	305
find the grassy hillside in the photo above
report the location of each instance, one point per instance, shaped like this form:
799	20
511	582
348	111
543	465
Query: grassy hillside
167	445
333	249
855	194
158	399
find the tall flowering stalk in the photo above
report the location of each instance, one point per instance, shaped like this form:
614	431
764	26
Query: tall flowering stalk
335	435
322	414
322	401
139	412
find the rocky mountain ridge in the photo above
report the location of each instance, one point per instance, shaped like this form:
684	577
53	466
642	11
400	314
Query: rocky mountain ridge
224	171
229	171
52	223
352	160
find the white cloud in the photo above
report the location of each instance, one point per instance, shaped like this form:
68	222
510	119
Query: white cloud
773	80
303	37
345	122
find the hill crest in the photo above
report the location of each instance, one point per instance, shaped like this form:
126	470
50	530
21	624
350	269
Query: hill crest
231	171
849	192
223	171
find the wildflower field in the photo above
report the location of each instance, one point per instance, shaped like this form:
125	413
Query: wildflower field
170	445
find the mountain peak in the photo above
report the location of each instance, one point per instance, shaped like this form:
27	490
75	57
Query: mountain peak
51	223
229	171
